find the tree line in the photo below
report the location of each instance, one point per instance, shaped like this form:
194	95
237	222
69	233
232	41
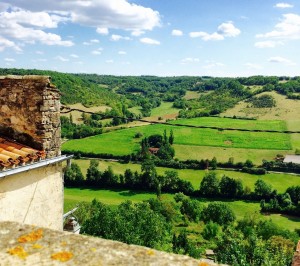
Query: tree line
210	186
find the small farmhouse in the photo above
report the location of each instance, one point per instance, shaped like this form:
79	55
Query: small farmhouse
31	178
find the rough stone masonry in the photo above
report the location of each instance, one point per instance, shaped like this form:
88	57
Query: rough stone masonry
30	112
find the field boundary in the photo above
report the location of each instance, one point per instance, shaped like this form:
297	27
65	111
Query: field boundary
184	125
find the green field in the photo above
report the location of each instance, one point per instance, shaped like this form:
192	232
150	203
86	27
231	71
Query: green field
189	152
122	142
114	197
278	181
165	108
233	123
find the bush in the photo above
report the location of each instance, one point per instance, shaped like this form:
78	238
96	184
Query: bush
219	213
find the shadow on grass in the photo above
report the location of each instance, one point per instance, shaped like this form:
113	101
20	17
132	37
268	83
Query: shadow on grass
122	191
128	193
288	217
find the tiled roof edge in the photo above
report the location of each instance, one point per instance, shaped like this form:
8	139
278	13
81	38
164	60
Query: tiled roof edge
34	165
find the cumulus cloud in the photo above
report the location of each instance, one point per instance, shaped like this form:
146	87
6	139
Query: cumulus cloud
28	21
103	31
287	29
28	27
91	42
74	55
137	33
283	5
122	52
115	14
97	51
149	41
116	38
281	60
226	29
206	36
268	44
110	61
4	43
177	33
188	60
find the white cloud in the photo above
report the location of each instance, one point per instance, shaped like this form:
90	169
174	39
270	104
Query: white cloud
189	60
122	52
137	33
27	21
110	61
60	58
74	55
177	33
253	66
207	37
224	30
116	38
9	60
38	19
103	31
228	30
27	26
116	14
213	64
91	42
287	29
149	41
267	44
97	51
283	5
39	52
282	60
4	43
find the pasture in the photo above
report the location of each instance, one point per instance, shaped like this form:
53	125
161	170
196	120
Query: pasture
285	109
77	116
122	142
73	196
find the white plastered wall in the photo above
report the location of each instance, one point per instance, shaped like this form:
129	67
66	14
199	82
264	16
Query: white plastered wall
33	197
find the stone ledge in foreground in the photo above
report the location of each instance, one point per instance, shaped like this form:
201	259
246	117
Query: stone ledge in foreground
29	245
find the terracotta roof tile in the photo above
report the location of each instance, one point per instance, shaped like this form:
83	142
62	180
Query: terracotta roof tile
13	154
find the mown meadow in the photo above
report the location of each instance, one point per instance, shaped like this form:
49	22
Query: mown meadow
191	140
114	197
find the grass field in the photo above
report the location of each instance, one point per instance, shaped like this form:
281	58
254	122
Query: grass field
278	181
122	142
189	95
233	123
285	109
77	116
164	109
185	152
114	197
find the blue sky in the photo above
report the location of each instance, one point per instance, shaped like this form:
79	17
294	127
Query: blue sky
152	37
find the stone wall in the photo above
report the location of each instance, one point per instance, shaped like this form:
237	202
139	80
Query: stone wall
33	197
30	112
22	245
